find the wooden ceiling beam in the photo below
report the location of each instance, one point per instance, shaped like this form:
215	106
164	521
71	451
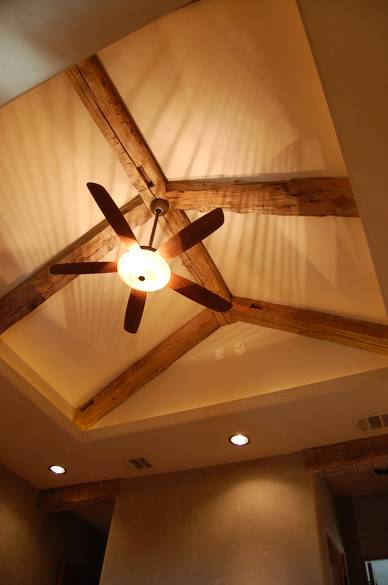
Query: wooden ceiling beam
311	196
352	332
41	285
346	457
146	368
104	103
74	497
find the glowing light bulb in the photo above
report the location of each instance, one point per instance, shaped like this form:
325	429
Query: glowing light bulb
239	440
57	469
144	270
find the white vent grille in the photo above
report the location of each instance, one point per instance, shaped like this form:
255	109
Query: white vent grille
374	422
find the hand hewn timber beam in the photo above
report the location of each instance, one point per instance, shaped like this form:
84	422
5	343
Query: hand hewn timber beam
349	456
74	497
352	332
41	285
147	368
314	196
104	103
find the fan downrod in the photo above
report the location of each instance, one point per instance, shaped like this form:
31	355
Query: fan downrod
159	206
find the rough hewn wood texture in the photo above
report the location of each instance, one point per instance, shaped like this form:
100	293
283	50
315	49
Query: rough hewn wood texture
74	497
315	196
105	105
41	285
353	332
107	108
349	456
147	368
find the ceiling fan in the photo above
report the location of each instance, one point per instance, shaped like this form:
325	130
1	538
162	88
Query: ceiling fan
145	268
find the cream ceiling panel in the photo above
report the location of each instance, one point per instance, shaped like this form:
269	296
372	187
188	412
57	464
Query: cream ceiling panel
50	147
226	88
75	341
238	362
41	38
315	263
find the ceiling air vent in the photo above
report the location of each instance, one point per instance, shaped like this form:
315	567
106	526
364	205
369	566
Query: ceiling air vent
373	422
140	463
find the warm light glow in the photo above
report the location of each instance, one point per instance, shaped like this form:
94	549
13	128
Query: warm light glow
144	270
239	440
57	469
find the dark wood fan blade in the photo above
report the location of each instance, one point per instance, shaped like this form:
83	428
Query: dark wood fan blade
112	214
134	311
192	234
198	293
83	268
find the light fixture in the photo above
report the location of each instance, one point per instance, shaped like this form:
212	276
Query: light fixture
144	269
239	440
57	469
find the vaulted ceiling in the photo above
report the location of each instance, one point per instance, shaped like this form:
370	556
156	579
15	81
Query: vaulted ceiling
232	118
41	38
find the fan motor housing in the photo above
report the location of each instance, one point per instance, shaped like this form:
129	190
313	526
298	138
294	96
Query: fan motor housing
159	206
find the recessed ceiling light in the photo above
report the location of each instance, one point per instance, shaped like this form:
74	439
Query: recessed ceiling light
57	469
239	440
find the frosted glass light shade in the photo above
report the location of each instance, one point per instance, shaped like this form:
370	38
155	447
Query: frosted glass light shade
144	270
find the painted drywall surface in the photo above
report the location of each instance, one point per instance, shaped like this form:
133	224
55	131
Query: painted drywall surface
244	101
33	546
244	524
328	523
350	46
38	39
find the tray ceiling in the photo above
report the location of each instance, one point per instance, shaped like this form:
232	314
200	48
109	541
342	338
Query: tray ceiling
236	102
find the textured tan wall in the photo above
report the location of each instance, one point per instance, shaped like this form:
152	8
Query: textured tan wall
328	523
240	524
33	546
